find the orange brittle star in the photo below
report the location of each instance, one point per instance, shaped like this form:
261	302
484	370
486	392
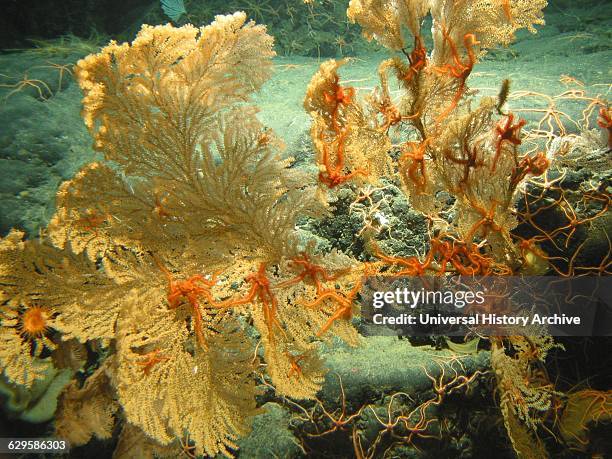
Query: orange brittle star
507	131
507	9
150	360
417	59
415	152
343	311
412	266
338	421
191	290
333	176
314	272
469	161
261	289
460	70
92	221
530	165
294	362
487	222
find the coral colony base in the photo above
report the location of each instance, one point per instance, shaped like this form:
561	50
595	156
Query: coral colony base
177	257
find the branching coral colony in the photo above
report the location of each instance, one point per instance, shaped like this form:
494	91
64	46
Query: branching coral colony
157	254
446	148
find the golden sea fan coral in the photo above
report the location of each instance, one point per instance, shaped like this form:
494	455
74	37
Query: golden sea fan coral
459	165
155	251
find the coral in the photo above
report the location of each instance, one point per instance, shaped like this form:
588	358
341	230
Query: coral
133	442
87	411
187	224
461	165
433	111
525	393
347	144
583	409
177	255
448	147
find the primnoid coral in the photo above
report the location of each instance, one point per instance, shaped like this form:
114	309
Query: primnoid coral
448	146
159	251
167	254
